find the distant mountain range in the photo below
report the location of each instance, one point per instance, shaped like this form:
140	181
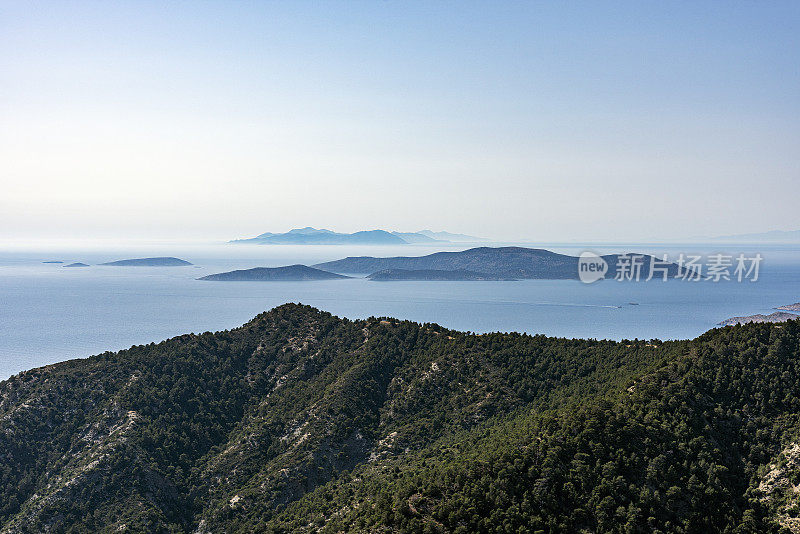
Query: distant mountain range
321	236
498	262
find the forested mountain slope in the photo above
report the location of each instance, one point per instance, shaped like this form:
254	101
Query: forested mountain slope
303	421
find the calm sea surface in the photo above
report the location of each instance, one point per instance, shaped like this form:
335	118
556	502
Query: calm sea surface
49	313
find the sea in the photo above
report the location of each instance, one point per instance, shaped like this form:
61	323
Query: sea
50	313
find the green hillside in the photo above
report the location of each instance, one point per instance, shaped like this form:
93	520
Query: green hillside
302	421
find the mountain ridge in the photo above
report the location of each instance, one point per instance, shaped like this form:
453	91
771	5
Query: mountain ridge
299	421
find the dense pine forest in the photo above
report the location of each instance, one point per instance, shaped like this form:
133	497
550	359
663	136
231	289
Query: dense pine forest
300	421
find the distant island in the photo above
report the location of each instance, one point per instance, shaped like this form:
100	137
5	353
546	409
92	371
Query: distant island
321	236
451	237
416	238
389	275
53	261
790	307
777	317
290	273
77	264
774	236
149	262
497	262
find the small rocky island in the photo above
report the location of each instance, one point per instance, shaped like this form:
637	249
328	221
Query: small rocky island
76	264
388	275
149	262
777	317
289	273
790	307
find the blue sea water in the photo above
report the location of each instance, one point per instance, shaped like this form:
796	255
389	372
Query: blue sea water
49	313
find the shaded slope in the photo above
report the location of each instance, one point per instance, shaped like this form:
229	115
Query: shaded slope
700	445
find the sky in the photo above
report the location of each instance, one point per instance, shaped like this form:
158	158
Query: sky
540	121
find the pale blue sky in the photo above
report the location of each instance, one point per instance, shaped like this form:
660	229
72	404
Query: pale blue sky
517	120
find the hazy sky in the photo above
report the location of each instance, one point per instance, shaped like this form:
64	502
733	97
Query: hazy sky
543	121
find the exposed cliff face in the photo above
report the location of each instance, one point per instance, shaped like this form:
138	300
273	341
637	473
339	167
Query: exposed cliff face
299	420
780	487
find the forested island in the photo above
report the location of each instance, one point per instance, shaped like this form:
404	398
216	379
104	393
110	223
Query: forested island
289	273
305	273
149	262
500	262
300	421
388	275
